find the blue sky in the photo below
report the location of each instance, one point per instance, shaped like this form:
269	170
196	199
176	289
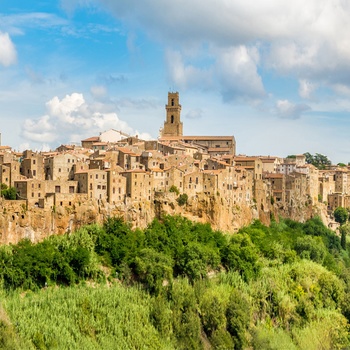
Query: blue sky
274	73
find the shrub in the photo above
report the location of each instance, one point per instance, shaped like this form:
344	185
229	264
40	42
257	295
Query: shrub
182	199
174	189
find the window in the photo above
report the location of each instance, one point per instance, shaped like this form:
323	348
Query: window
71	189
59	170
33	161
57	189
172	102
172	119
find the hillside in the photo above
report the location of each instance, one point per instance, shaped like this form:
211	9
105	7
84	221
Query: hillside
177	285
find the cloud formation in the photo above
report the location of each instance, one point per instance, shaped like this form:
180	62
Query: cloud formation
72	119
288	110
8	54
307	41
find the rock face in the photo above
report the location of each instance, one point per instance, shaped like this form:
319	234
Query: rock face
18	222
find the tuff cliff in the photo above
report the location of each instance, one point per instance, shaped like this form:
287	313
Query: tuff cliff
18	222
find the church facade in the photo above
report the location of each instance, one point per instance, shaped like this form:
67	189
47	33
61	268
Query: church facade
173	131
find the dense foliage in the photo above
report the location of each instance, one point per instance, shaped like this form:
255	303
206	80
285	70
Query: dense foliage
8	192
178	285
320	161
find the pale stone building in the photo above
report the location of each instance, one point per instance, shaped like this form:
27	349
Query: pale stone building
60	166
32	165
93	182
116	186
138	185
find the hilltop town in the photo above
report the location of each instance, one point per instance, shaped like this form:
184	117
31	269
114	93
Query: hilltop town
200	177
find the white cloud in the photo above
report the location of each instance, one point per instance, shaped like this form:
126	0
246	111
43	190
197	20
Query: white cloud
66	108
195	114
306	88
305	40
233	70
238	74
8	54
72	119
288	110
186	75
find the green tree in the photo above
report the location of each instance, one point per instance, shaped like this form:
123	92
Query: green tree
197	259
320	161
238	317
344	230
242	255
153	268
9	193
341	215
173	188
182	199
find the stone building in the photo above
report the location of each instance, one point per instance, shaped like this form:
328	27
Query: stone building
173	131
138	185
93	182
116	185
32	165
173	125
60	166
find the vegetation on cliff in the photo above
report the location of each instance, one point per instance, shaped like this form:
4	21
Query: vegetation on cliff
177	285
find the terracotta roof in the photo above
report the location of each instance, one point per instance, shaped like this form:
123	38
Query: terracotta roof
159	170
92	139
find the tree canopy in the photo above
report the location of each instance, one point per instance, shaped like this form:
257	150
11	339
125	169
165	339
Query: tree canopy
341	215
8	192
320	161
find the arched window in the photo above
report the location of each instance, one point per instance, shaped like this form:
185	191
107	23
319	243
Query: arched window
172	102
172	119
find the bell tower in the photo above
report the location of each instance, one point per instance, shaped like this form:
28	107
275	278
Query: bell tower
173	123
